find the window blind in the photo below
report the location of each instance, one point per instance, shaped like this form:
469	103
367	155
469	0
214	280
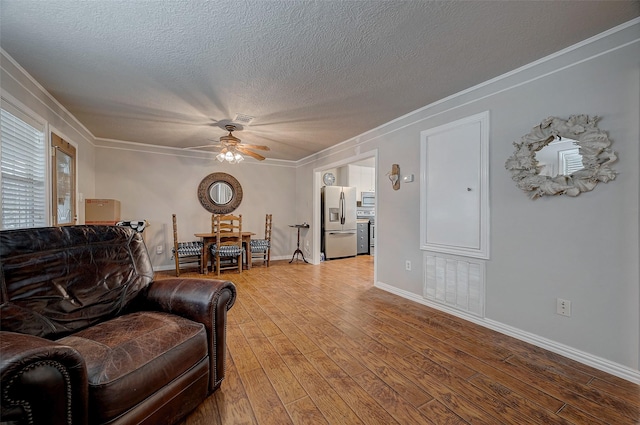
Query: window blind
22	173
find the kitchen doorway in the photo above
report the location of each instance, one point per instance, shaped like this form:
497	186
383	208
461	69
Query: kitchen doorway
360	172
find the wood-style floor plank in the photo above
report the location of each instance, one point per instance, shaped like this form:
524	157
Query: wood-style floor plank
358	399
285	384
304	411
390	400
320	345
440	414
230	402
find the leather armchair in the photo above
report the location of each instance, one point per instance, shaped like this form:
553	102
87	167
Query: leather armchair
87	336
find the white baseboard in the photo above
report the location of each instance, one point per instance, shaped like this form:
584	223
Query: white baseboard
596	362
282	257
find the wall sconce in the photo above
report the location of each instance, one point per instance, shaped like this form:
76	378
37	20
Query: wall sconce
394	176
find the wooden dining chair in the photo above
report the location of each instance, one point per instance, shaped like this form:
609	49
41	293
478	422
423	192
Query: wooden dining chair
261	248
228	244
184	252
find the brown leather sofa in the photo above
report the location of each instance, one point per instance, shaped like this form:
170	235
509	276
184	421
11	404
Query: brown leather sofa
88	337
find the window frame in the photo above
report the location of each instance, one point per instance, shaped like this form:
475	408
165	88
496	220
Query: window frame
25	114
70	149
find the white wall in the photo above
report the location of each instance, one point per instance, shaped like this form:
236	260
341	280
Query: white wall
583	249
153	186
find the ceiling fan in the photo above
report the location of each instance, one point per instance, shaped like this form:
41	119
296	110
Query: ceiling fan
232	148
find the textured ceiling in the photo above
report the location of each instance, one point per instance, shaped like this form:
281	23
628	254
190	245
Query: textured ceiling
313	73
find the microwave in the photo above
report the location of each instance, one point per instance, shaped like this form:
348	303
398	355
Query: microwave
368	199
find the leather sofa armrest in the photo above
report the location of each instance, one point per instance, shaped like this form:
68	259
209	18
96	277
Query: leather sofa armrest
202	300
42	381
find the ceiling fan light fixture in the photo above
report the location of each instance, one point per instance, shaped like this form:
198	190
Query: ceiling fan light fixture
231	156
233	148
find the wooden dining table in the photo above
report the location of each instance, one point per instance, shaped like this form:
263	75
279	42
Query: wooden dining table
209	239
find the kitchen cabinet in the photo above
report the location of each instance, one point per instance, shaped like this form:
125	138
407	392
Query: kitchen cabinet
368	179
362	178
363	237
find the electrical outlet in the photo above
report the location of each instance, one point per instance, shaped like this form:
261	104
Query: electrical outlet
563	307
159	249
407	265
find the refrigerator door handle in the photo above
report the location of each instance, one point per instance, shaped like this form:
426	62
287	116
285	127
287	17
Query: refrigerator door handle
342	207
341	233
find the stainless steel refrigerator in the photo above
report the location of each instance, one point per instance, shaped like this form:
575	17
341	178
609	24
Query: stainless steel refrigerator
339	227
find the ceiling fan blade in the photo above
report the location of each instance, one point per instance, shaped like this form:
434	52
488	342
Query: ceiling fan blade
259	147
251	154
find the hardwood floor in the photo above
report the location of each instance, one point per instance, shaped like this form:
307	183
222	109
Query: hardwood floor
320	345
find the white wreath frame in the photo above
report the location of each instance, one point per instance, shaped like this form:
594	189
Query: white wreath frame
593	146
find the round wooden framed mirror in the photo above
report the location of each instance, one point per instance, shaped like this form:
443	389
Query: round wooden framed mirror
220	193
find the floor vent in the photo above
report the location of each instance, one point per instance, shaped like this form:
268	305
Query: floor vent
455	283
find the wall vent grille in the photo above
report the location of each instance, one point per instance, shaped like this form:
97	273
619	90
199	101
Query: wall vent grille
455	283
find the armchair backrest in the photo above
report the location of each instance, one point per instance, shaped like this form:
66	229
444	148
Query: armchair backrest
58	280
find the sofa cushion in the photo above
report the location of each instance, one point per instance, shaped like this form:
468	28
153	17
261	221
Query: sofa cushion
58	280
132	356
188	249
227	250
260	244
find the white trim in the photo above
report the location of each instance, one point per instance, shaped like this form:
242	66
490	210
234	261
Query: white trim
339	147
596	362
46	93
22	109
588	359
179	152
411	115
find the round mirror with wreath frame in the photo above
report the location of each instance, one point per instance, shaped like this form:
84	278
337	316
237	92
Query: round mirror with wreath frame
593	145
204	193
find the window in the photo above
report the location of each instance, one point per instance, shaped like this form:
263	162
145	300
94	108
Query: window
23	193
63	178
